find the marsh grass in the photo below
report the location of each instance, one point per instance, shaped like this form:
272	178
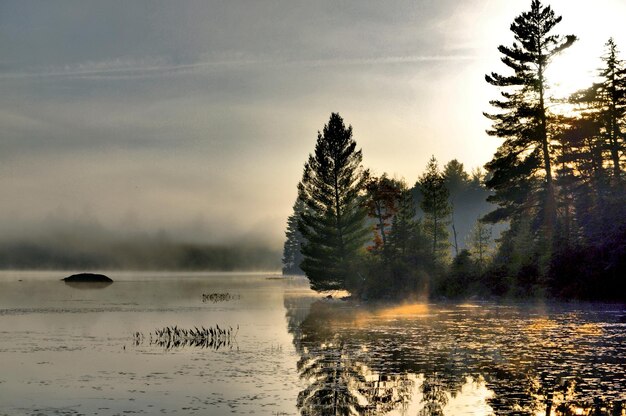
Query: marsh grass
172	337
219	297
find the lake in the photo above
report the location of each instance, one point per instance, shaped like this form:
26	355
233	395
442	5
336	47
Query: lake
151	343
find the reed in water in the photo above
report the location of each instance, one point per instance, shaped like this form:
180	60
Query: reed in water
171	337
219	297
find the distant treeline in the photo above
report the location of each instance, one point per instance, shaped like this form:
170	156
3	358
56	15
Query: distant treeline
143	254
556	182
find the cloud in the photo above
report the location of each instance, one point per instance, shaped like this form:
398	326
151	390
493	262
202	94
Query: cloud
143	68
195	117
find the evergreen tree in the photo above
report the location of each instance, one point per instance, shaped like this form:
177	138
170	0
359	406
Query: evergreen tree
591	153
292	256
404	226
436	209
456	179
594	140
523	120
480	244
458	183
333	222
612	92
410	251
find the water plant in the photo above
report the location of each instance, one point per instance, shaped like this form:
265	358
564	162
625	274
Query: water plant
219	297
171	337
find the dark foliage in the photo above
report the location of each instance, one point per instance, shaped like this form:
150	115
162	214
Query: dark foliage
522	168
332	222
557	182
292	255
436	207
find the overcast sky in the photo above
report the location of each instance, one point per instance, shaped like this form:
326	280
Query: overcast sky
195	117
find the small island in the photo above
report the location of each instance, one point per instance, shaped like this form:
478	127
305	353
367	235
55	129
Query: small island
88	278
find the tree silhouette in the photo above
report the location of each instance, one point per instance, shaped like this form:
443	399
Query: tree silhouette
292	256
594	140
612	91
333	221
480	243
436	208
457	182
592	228
523	120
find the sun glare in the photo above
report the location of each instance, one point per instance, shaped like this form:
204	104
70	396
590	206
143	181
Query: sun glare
577	67
574	70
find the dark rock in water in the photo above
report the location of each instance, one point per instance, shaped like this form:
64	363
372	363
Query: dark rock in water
87	278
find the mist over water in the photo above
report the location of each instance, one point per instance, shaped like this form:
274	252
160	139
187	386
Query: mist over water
80	246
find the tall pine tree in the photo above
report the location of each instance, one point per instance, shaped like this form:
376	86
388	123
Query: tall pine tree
436	209
333	222
522	168
595	139
612	94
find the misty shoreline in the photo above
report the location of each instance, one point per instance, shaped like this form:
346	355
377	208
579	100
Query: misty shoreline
137	255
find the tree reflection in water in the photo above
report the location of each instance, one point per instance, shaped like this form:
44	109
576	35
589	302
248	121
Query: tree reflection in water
387	392
434	397
333	381
339	379
359	361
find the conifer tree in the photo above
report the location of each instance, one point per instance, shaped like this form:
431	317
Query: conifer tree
480	244
333	222
457	181
436	208
595	140
455	177
292	256
405	227
410	249
523	120
612	94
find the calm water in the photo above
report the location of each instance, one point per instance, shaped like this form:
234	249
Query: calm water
66	350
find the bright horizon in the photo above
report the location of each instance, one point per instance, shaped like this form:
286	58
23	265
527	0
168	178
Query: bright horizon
196	119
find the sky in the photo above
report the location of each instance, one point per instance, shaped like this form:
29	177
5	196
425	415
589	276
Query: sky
194	118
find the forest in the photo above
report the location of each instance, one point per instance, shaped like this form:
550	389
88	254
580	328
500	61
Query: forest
547	213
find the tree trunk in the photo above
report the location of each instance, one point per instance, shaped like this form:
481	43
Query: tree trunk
550	202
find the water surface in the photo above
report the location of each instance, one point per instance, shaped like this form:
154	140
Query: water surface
67	350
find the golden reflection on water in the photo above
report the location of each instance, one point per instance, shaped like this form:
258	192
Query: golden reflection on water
408	310
541	324
363	318
589	329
